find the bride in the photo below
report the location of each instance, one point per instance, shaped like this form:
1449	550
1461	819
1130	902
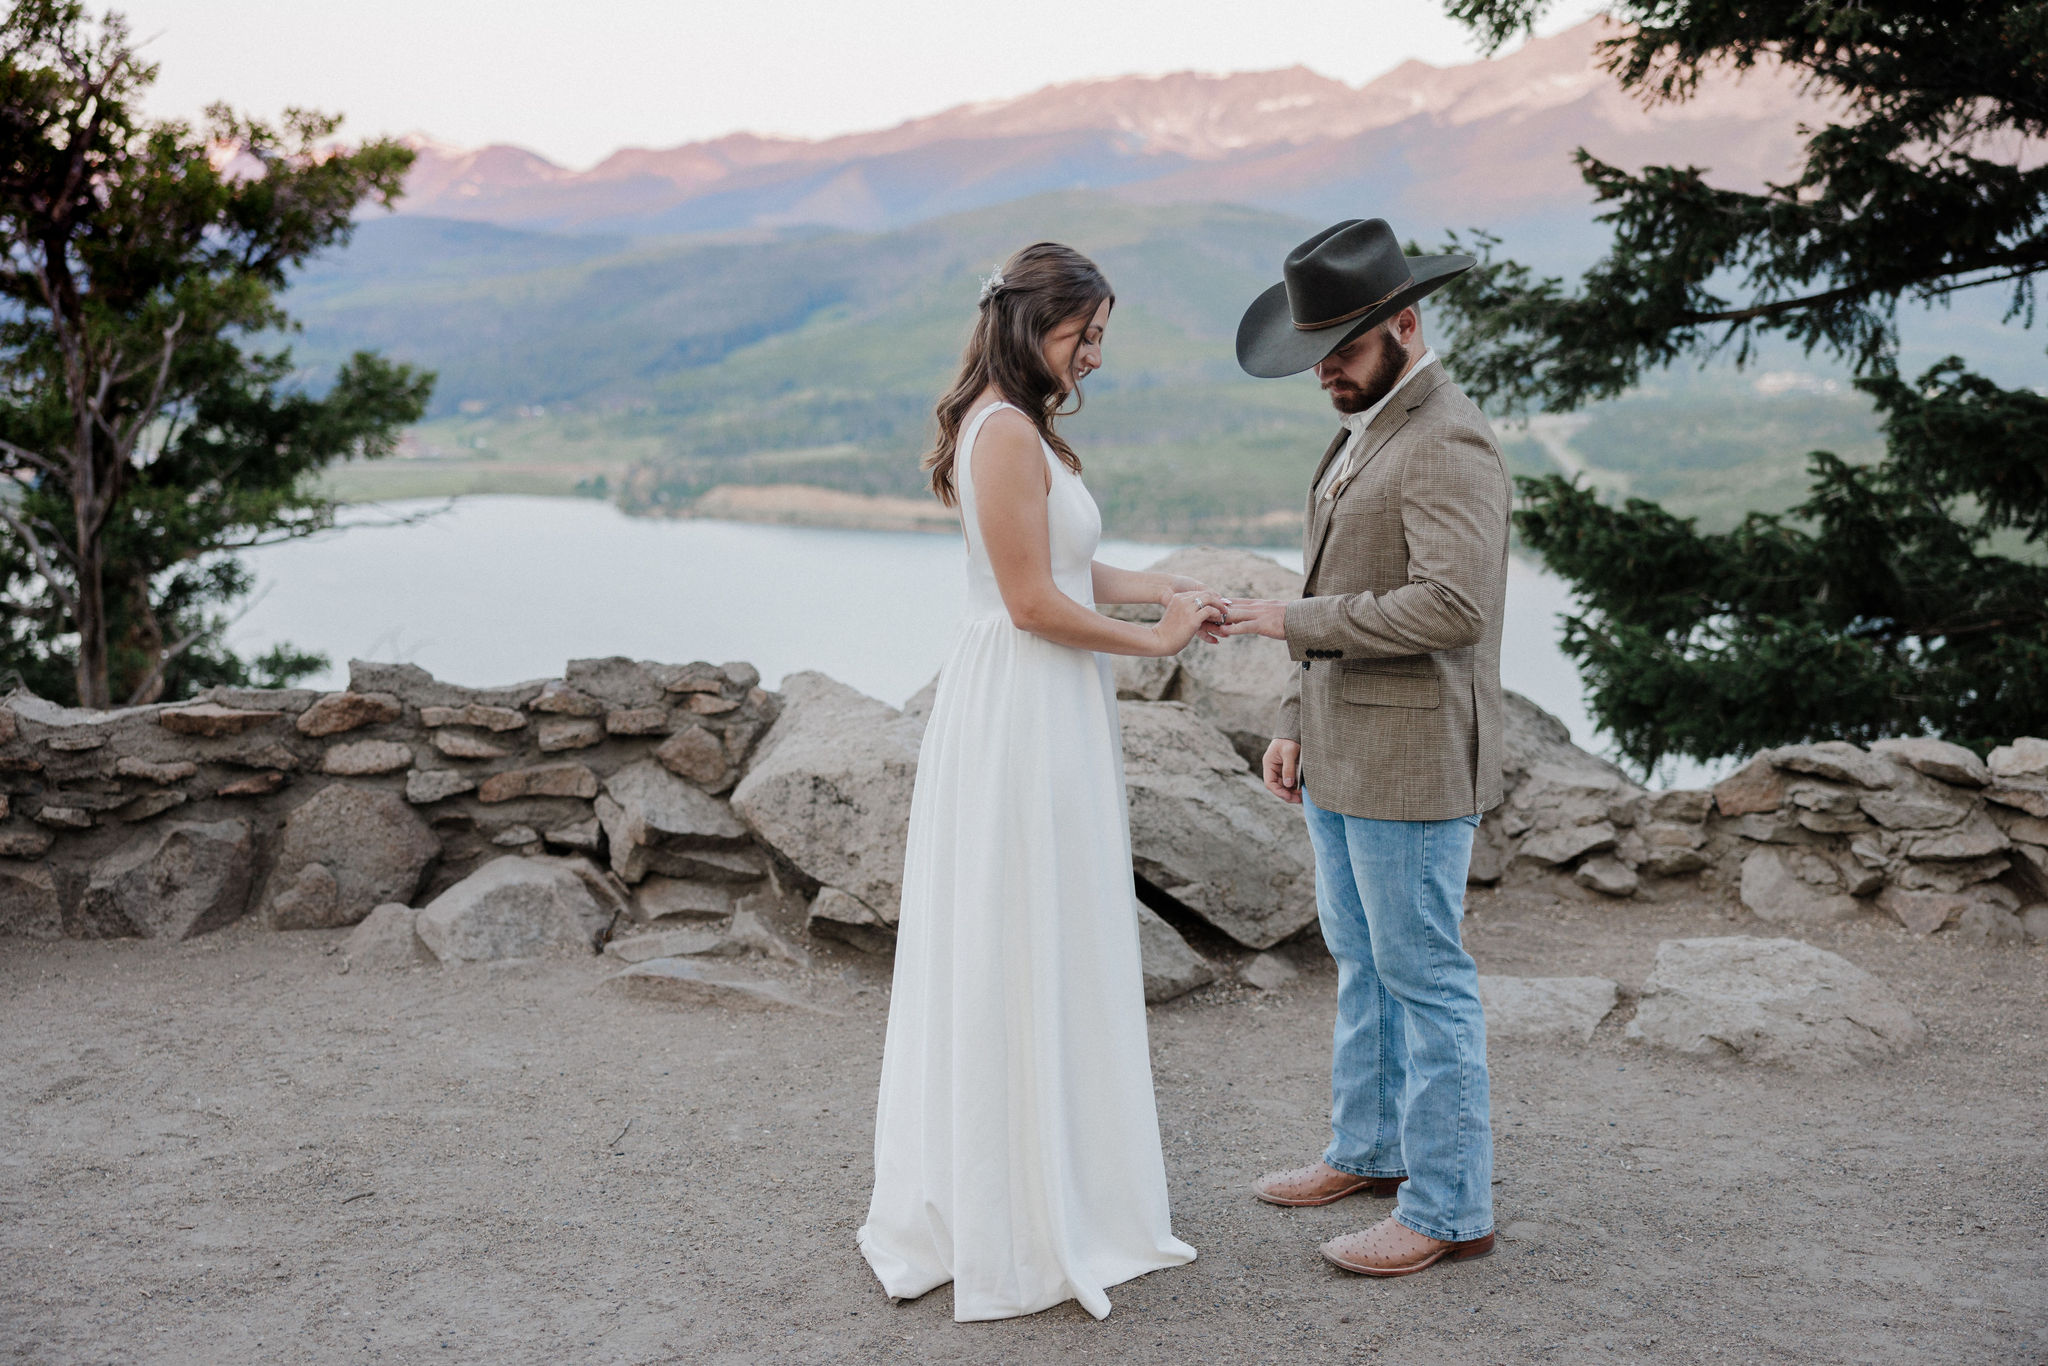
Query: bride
1016	1143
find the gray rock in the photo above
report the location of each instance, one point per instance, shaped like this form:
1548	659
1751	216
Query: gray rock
129	766
1755	788
175	881
1531	738
64	817
516	836
697	755
1557	1008
1205	832
1837	761
1925	912
478	714
1937	759
1491	851
683	943
345	711
1562	844
1769	1000
749	932
311	902
1171	968
649	815
637	721
920	703
2024	794
616	680
1680	806
363	757
467	744
1949	877
512	907
839	915
565	779
29	905
1796	887
374	844
1921	806
148	805
558	733
1268	972
829	789
1607	876
1978	837
2019	827
2034	920
657	897
559	699
2026	757
579	837
1985	923
424	785
692	979
387	938
416	687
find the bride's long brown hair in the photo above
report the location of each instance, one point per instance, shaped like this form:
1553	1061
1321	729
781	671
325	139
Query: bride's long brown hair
1042	286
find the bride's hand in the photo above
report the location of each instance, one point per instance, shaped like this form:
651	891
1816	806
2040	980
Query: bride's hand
1188	614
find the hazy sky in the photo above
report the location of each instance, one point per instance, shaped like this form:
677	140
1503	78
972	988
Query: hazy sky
574	81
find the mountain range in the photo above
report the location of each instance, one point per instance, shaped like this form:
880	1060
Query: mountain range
1428	147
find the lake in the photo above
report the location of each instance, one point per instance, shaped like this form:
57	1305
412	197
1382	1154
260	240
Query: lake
503	588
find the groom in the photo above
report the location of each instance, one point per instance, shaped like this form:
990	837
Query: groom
1390	735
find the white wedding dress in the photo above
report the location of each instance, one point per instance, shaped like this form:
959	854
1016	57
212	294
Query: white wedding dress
1016	1141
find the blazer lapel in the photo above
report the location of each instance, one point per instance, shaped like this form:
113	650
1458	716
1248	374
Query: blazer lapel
1313	524
1382	429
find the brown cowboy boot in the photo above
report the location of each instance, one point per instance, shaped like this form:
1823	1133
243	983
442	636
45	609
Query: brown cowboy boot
1391	1248
1320	1184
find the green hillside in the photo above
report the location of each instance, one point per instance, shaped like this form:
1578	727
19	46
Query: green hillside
651	370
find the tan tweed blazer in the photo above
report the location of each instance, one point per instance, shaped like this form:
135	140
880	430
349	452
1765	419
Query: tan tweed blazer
1397	704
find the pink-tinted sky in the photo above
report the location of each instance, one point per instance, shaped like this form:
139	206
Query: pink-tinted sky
574	81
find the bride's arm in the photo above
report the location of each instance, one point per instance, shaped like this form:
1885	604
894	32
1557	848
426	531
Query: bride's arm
1138	585
1009	477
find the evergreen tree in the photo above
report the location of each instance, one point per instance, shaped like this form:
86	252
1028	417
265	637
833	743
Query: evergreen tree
1883	604
145	435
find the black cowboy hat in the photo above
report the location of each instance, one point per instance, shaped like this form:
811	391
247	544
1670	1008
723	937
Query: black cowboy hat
1337	284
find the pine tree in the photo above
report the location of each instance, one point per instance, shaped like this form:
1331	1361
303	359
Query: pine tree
1882	605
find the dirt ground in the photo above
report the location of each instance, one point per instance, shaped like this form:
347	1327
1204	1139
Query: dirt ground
231	1150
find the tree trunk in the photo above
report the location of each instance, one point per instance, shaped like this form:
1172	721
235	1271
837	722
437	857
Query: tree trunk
91	618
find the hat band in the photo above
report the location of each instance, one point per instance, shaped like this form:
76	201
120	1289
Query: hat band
1356	312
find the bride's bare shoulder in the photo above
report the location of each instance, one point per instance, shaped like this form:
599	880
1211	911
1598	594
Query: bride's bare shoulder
1006	450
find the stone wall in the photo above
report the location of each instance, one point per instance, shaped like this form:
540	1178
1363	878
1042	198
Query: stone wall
483	822
310	809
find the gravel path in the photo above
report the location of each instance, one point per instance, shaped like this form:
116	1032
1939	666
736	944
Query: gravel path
231	1150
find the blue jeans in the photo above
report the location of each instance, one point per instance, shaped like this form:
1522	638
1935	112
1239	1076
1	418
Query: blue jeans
1408	1089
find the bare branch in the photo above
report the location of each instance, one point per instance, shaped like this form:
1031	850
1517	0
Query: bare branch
41	462
43	566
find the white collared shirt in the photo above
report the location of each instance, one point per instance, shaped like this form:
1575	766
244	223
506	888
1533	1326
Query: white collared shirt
1356	423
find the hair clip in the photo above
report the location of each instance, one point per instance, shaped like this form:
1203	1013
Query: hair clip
991	284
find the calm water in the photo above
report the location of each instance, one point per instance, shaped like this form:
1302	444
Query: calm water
499	589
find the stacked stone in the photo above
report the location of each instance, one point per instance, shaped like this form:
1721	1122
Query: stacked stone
313	808
1920	829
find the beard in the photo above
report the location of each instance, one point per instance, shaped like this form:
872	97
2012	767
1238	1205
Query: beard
1379	381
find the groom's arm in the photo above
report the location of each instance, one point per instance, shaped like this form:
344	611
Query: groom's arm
1454	514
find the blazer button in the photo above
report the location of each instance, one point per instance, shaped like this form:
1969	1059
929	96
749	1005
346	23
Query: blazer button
1304	666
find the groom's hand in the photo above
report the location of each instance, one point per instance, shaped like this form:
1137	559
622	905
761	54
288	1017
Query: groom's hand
1255	617
1283	770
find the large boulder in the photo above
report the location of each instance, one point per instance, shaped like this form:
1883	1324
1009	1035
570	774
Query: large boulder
1171	968
512	907
1564	1009
387	938
1769	1000
365	841
1795	885
174	881
829	789
655	822
1205	832
1235	685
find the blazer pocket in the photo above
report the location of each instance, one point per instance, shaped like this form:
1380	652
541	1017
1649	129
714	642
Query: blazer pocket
1392	683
